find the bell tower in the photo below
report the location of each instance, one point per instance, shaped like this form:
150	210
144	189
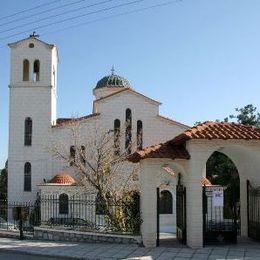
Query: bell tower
32	112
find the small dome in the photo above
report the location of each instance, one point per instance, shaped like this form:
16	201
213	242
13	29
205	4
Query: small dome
113	81
62	178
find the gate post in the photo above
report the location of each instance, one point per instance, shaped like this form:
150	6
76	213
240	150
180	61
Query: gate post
194	214
20	220
204	205
247	196
148	185
158	217
243	207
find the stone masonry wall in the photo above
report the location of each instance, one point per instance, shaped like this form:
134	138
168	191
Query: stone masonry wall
76	236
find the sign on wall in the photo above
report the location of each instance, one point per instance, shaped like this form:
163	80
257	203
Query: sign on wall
218	198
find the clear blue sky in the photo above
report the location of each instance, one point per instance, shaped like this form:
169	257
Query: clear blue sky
200	58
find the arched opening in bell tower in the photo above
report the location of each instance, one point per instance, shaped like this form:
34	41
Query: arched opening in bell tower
36	70
26	66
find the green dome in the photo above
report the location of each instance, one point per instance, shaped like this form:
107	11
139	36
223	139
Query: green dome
113	81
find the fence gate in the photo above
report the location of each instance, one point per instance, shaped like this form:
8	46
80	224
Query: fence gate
181	230
253	211
219	215
19	218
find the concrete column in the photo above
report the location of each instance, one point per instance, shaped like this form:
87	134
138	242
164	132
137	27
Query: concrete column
243	207
195	169
194	214
148	181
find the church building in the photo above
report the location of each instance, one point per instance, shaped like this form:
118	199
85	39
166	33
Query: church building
34	126
171	157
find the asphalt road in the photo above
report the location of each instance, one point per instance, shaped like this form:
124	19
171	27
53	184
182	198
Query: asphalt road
17	256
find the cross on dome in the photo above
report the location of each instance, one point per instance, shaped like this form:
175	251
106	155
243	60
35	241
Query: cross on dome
112	70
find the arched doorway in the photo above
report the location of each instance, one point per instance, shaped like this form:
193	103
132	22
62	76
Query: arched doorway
166	215
171	212
221	200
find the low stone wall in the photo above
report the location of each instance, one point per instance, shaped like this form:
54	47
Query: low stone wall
14	234
77	236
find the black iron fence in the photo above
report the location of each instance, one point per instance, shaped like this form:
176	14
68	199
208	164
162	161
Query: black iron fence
19	217
253	204
90	213
82	213
220	216
181	228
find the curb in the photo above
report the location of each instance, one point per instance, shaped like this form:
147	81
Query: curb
16	251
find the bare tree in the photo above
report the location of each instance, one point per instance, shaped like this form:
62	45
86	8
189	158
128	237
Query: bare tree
98	158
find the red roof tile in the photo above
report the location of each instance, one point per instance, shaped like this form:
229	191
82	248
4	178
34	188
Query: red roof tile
175	148
166	150
62	178
219	130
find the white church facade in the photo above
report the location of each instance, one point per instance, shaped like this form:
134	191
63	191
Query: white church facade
35	128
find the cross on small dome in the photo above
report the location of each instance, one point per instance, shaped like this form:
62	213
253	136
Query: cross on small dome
112	70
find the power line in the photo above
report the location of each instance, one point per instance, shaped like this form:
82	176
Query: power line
29	9
39	13
114	16
56	15
111	17
73	18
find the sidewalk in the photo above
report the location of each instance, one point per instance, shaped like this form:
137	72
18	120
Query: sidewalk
67	250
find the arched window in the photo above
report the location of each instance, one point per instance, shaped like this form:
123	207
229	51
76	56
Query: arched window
128	132
72	155
26	68
36	70
165	202
27	177
117	137
63	204
28	131
139	135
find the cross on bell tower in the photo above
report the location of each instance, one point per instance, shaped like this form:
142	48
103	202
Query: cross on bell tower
34	35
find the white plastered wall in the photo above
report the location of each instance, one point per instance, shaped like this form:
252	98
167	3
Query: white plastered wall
155	129
244	154
34	99
151	178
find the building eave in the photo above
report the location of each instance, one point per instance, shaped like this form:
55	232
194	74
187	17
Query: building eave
173	121
67	121
128	90
13	44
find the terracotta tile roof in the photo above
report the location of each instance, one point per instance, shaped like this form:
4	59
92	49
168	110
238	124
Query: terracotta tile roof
166	150
175	148
64	121
62	178
219	130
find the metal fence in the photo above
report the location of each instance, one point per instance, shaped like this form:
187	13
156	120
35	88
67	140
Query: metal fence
181	218
19	217
81	213
253	204
219	222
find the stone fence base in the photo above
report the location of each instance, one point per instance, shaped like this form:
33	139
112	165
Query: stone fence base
77	236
